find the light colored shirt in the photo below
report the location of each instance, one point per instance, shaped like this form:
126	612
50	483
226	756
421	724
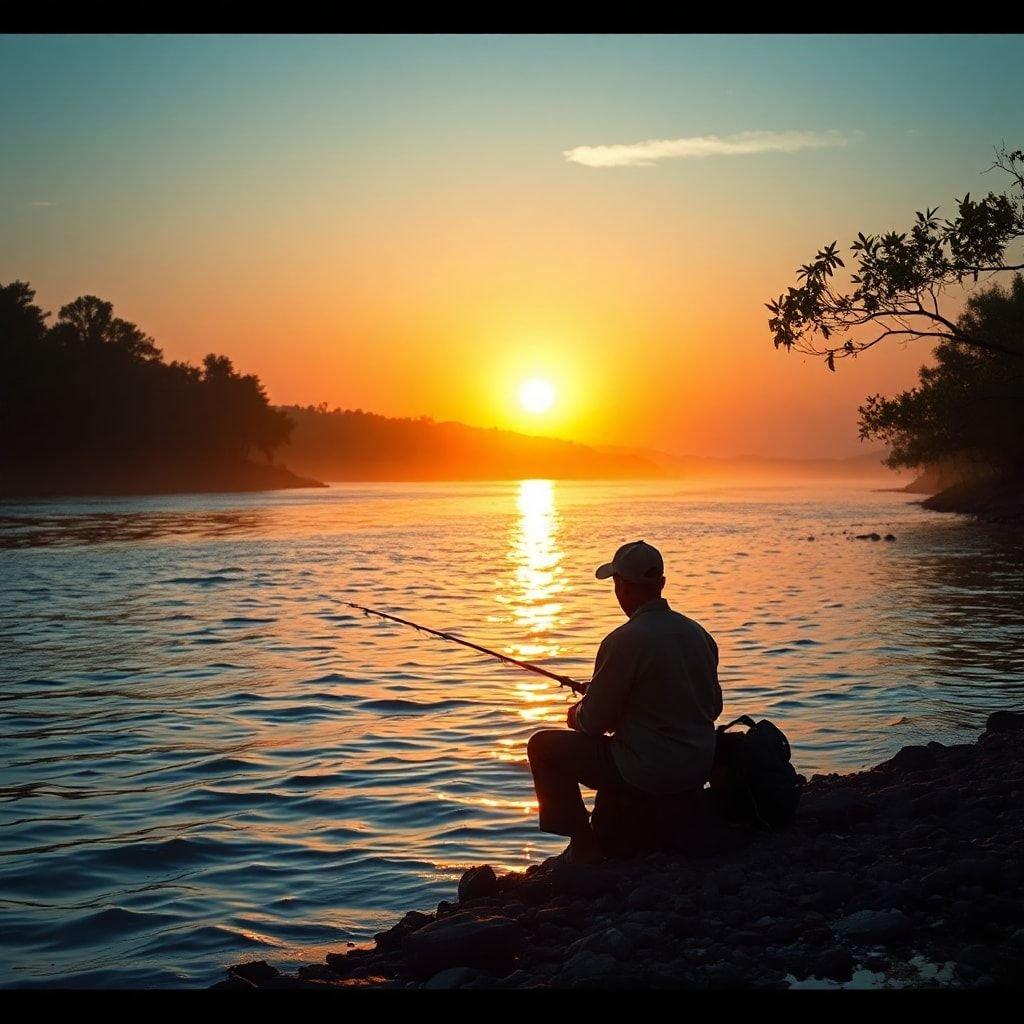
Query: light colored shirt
655	688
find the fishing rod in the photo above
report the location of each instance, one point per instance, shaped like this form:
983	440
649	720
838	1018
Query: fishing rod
528	665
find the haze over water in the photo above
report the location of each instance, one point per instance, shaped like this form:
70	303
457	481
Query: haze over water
207	758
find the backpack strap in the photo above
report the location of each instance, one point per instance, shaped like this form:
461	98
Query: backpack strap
742	720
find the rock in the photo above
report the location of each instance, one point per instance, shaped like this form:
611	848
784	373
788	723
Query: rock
646	897
579	880
873	924
835	963
783	931
462	940
478	882
975	955
254	971
589	965
235	983
834	886
909	759
730	880
836	810
1004	721
610	940
453	977
318	972
392	939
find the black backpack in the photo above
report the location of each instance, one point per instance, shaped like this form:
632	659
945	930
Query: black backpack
752	780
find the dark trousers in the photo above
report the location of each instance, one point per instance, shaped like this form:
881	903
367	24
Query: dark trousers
562	759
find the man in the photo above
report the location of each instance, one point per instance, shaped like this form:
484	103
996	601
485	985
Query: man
655	689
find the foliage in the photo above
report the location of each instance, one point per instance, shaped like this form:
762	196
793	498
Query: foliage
968	409
900	278
93	393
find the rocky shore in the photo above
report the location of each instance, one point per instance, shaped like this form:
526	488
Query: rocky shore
992	501
907	875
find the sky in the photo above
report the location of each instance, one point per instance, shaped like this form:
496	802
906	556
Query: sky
417	225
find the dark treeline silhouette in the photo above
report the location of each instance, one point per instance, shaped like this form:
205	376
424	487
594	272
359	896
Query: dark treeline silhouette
345	444
88	405
964	419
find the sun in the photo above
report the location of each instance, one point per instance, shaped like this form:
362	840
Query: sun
536	395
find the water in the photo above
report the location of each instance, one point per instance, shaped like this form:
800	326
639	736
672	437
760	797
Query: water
206	758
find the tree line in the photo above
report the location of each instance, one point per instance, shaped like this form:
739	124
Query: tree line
90	397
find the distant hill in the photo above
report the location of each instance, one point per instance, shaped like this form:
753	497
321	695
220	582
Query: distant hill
747	467
356	445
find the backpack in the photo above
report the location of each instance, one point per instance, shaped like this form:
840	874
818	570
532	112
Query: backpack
752	780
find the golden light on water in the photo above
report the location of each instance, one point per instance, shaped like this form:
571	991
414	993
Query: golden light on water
537	572
531	598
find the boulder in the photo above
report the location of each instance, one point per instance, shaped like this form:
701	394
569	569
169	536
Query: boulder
873	924
588	965
453	977
835	963
255	972
910	759
478	882
393	938
462	940
1004	721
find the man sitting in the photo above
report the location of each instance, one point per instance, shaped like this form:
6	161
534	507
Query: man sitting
655	689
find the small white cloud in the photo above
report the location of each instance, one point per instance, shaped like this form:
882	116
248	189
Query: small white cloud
645	154
42	202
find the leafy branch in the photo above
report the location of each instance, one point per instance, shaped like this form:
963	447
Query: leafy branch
900	278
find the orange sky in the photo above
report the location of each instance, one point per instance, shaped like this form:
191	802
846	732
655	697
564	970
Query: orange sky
414	225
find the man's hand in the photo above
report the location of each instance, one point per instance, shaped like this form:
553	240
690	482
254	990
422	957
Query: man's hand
570	715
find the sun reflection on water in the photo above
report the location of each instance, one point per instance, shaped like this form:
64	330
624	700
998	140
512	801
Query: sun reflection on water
537	576
532	598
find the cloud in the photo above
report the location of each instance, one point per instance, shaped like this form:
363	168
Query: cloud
645	154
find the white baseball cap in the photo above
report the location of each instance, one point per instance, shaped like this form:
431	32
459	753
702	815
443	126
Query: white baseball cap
637	562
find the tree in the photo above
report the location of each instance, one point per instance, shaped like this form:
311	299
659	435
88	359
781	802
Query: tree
89	322
966	411
22	323
901	277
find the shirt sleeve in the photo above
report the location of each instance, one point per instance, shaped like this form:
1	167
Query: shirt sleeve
614	671
718	687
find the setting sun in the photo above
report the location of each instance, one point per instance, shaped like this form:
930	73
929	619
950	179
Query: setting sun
537	395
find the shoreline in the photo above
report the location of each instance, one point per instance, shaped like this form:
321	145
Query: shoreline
247	478
993	501
905	875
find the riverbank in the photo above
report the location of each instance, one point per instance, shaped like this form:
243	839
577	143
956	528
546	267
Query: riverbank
905	875
991	501
238	478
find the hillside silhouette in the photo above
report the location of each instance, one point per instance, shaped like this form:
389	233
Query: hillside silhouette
345	444
342	444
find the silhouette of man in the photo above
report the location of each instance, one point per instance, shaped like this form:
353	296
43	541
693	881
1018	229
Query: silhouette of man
655	689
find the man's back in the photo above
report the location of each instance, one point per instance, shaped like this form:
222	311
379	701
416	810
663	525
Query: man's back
655	686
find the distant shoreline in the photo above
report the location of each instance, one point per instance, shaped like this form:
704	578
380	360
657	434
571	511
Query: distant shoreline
248	478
